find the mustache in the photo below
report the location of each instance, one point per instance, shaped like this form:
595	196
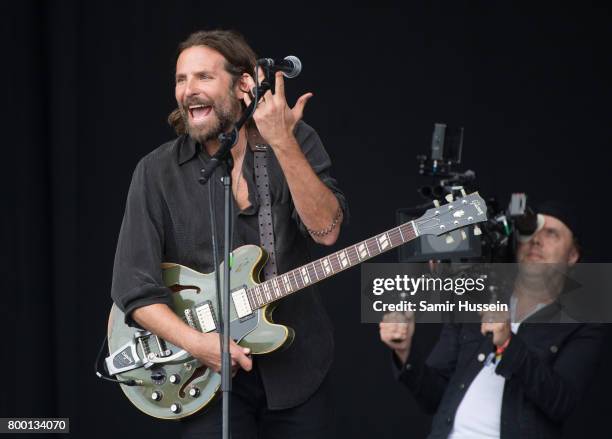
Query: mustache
196	101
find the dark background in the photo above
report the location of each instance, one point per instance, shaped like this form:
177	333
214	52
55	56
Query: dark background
89	86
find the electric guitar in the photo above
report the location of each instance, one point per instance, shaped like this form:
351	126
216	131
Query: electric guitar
167	382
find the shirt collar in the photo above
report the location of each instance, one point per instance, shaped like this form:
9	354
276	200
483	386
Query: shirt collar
187	149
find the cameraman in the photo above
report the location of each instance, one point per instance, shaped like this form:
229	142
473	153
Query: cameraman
542	369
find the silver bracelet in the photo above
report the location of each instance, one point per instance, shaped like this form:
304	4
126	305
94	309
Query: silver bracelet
331	227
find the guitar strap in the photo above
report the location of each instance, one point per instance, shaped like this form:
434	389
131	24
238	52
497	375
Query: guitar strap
266	223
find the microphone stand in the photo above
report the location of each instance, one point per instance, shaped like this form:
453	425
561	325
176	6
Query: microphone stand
224	157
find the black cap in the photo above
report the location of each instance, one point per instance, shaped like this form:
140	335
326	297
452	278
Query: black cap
564	212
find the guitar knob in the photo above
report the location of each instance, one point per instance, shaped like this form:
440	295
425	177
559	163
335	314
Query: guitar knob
477	231
156	395
175	408
449	198
436	203
463	235
449	239
174	379
194	392
157	376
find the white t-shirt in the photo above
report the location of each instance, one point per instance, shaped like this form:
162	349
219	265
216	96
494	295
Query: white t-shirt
479	413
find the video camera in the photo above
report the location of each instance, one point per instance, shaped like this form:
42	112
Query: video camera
494	240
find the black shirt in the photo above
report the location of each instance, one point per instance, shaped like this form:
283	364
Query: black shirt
167	220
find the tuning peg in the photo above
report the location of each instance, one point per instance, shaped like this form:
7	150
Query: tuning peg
477	231
436	203
463	194
463	235
449	198
449	239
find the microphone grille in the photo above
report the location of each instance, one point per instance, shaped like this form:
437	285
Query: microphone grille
297	66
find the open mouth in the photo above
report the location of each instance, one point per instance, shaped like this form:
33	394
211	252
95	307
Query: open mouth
199	112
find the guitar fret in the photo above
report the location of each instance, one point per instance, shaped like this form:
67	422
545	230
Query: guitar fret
267	291
296	279
281	288
383	241
408	232
378	245
330	264
271	289
394	238
320	270
401	234
327	266
287	283
275	288
251	298
352	254
314	268
258	293
362	250
335	263
344	262
291	277
305	276
371	252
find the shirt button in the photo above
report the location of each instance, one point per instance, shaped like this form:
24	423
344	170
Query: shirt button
449	420
481	357
462	386
554	349
408	366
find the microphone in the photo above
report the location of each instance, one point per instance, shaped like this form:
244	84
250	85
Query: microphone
291	66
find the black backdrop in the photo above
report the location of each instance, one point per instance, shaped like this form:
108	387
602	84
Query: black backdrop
89	85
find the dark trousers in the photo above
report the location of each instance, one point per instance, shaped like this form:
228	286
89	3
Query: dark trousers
251	418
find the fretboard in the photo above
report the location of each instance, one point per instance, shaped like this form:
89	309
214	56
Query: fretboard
280	286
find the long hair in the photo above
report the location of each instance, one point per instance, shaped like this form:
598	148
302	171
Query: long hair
239	59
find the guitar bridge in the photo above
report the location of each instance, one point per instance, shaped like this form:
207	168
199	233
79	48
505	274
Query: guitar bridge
143	338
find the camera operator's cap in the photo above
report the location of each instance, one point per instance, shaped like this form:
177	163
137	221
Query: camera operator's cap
563	212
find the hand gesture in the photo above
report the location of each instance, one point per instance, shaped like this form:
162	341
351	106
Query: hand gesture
273	117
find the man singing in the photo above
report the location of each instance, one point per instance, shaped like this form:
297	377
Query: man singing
283	394
540	368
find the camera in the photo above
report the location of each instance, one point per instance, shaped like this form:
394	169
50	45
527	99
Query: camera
492	241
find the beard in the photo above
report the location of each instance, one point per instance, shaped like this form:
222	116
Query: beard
223	114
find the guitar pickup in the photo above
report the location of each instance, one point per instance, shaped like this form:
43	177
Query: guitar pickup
241	302
206	317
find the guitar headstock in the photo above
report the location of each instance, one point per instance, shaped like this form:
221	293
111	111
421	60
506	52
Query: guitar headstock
458	213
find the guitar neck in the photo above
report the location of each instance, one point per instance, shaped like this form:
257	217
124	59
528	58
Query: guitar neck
278	287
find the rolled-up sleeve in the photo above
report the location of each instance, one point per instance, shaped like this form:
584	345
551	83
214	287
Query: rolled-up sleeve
137	278
319	159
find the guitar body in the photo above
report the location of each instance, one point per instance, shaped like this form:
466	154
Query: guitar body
175	385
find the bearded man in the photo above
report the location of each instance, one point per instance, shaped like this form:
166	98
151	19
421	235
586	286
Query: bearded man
283	394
